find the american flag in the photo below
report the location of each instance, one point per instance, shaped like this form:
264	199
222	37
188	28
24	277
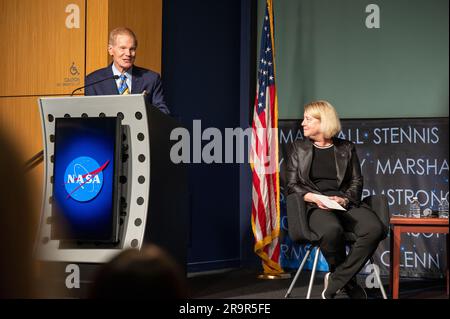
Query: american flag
264	155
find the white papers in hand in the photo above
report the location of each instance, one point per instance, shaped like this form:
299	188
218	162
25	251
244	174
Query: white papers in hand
329	202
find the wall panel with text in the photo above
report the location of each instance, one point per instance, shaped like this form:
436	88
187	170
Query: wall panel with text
44	46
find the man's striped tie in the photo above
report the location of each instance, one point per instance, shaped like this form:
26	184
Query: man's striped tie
123	87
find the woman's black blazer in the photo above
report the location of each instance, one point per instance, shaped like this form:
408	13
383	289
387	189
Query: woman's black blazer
349	178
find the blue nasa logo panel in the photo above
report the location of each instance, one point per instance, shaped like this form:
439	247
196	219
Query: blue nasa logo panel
84	204
84	178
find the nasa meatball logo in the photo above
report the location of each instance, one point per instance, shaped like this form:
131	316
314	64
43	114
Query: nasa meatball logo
83	178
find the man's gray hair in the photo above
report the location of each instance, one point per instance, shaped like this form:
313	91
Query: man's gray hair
120	31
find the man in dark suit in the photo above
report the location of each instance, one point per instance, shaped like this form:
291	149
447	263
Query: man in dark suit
130	79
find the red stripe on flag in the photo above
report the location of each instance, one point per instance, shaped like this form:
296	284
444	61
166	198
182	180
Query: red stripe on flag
260	210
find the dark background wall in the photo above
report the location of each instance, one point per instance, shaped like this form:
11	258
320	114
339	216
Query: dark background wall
201	68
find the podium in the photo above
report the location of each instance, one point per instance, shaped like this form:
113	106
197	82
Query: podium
147	199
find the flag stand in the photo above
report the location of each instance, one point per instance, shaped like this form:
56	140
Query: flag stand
283	275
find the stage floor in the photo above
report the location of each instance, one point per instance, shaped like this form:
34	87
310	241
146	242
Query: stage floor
244	284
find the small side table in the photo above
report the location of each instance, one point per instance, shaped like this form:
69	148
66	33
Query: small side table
401	225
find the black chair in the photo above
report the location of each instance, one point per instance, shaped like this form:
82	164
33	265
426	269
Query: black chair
300	232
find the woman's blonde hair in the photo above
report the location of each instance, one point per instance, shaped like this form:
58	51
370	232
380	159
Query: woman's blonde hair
322	110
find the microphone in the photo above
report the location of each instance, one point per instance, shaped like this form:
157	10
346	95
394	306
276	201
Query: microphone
115	77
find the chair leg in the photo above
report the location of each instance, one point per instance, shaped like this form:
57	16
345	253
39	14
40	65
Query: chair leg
377	275
313	273
308	251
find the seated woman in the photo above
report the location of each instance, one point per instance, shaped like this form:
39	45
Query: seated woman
327	165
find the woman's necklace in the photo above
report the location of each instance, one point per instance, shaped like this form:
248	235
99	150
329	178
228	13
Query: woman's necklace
323	147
